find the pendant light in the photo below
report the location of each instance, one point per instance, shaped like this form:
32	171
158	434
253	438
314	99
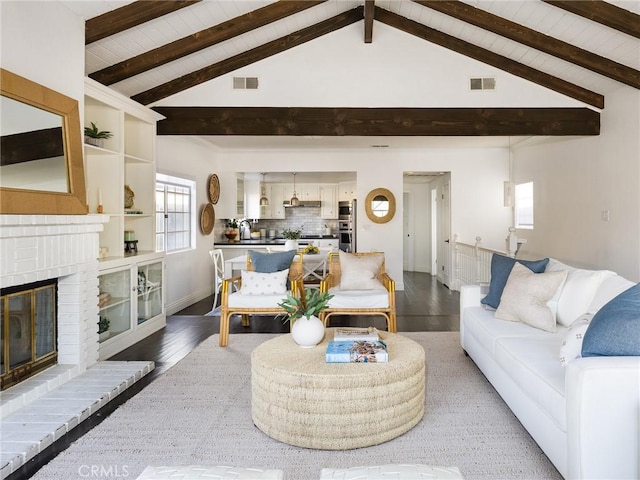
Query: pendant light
294	200
264	201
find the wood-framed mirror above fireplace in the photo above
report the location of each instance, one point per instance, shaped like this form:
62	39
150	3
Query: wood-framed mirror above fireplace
58	149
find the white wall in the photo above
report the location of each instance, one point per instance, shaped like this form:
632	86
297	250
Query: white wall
189	275
44	42
576	179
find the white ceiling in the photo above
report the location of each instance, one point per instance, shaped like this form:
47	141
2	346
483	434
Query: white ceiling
535	14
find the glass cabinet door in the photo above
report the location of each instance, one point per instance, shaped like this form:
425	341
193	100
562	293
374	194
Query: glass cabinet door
114	303
149	291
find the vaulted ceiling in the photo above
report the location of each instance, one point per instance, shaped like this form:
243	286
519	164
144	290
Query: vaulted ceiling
582	49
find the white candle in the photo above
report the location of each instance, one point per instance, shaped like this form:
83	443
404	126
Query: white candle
99	196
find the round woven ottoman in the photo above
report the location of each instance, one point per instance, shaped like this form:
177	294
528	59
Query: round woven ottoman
299	399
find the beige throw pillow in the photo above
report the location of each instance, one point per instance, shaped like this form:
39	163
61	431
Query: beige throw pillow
359	272
526	295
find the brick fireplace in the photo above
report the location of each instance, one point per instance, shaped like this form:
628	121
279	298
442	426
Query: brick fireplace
64	247
40	410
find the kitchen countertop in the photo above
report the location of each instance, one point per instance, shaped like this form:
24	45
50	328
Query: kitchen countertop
273	241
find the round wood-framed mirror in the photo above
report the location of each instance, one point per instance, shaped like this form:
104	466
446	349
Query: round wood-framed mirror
380	205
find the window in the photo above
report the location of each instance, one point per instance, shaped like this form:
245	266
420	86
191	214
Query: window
524	205
175	213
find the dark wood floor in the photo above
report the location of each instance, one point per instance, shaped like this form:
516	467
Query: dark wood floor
424	305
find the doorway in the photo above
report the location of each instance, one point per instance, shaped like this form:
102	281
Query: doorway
426	223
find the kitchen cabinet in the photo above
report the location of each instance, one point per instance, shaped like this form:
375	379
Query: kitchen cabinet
131	302
277	194
347	191
309	192
329	202
239	198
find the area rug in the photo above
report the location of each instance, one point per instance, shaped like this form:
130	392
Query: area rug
199	413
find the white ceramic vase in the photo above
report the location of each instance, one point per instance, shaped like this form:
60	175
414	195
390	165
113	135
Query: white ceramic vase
307	331
291	245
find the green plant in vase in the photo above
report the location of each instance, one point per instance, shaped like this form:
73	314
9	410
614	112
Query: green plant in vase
231	229
94	136
292	233
103	324
307	330
310	303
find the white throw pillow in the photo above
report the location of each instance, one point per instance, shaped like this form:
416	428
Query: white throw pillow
578	292
359	272
571	347
256	283
526	295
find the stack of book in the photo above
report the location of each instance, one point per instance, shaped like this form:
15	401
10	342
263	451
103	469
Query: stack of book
356	345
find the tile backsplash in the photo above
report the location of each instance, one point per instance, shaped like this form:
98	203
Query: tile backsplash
307	217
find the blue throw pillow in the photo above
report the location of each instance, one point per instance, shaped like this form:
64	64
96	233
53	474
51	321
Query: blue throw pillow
615	328
500	269
271	262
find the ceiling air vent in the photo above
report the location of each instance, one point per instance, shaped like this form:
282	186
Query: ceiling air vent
488	83
245	83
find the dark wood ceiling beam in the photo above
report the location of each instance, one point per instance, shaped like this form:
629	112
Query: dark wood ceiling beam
33	145
377	121
129	16
369	9
200	40
490	58
251	56
602	12
534	39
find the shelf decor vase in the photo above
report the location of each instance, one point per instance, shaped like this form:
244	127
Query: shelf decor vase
291	245
307	331
96	142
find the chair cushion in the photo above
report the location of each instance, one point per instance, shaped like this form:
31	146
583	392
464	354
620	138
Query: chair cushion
238	300
374	298
525	297
359	272
271	262
257	283
500	269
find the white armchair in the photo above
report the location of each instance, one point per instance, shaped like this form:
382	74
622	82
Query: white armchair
258	292
359	287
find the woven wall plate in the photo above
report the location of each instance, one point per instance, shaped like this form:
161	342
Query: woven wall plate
214	188
207	218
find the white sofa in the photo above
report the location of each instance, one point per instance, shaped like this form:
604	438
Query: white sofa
585	416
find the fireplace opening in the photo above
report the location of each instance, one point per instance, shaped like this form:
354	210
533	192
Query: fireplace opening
28	331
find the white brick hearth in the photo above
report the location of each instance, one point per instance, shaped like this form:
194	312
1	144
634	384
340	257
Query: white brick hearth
39	410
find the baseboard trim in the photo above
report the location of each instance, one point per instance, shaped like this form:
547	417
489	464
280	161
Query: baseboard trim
187	301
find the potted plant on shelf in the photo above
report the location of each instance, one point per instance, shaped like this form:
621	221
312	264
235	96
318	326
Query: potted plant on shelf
231	229
307	330
103	329
291	235
94	136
